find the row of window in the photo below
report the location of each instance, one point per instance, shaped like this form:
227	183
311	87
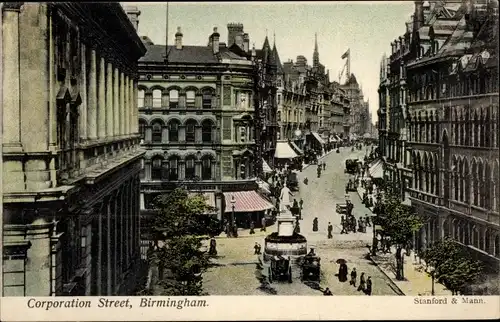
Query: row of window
469	234
170	169
173	131
155	99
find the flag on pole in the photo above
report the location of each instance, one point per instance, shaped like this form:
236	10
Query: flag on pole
346	54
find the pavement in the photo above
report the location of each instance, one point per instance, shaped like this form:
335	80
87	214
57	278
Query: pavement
235	271
417	281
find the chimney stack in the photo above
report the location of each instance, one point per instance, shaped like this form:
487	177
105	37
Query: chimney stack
246	42
215	41
233	30
178	38
133	14
419	14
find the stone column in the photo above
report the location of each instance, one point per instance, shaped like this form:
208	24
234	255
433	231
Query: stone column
83	93
109	101
132	103
121	107
126	109
11	81
92	98
101	105
116	103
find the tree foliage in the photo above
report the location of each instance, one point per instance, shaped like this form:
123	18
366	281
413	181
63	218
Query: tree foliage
181	223
451	265
398	221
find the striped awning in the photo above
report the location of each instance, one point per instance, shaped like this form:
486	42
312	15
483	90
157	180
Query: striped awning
296	148
317	137
376	169
246	201
284	151
265	167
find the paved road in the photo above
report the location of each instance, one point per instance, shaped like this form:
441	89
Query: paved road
236	274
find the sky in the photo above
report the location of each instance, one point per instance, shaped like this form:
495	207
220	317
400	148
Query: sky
366	28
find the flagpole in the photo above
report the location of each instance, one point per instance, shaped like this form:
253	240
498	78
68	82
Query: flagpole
166	35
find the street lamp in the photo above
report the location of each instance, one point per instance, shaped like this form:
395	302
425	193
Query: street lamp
233	201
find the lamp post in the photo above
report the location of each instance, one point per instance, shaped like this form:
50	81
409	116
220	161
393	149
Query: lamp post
233	201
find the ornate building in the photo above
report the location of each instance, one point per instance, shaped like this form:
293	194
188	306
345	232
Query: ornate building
199	119
452	118
358	107
71	157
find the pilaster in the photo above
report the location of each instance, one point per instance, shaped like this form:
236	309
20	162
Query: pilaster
83	91
109	101
126	109
101	107
116	103
92	98
11	81
122	103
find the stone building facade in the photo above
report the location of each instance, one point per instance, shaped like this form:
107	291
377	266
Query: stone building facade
71	157
199	118
358	118
452	121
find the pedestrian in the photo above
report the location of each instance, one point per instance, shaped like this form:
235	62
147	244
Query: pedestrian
362	282
301	203
295	204
228	230
343	223
256	248
324	165
330	229
252	227
315	224
343	272
327	292
235	230
368	290
360	225
263	224
213	247
367	220
354	274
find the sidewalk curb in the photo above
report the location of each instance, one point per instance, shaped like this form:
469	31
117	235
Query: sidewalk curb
393	284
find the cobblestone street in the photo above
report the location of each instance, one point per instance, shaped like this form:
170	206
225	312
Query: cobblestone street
235	272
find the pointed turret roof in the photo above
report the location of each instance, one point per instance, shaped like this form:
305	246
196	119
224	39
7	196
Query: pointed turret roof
276	59
352	80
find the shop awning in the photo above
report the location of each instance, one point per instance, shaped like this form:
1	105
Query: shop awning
246	201
296	148
265	167
284	151
316	135
376	169
264	186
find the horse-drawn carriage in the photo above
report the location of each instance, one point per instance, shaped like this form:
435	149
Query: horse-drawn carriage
351	185
351	166
311	268
280	269
341	208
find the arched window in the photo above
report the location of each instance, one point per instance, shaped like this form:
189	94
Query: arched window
173	131
207	99
156	168
140	98
174	98
157	98
206	131
173	168
190	131
156	132
190	167
190	99
142	129
206	168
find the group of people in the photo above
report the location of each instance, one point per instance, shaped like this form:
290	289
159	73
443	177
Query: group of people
365	285
321	167
350	224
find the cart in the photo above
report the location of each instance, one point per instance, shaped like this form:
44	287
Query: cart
311	268
341	208
351	166
281	269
